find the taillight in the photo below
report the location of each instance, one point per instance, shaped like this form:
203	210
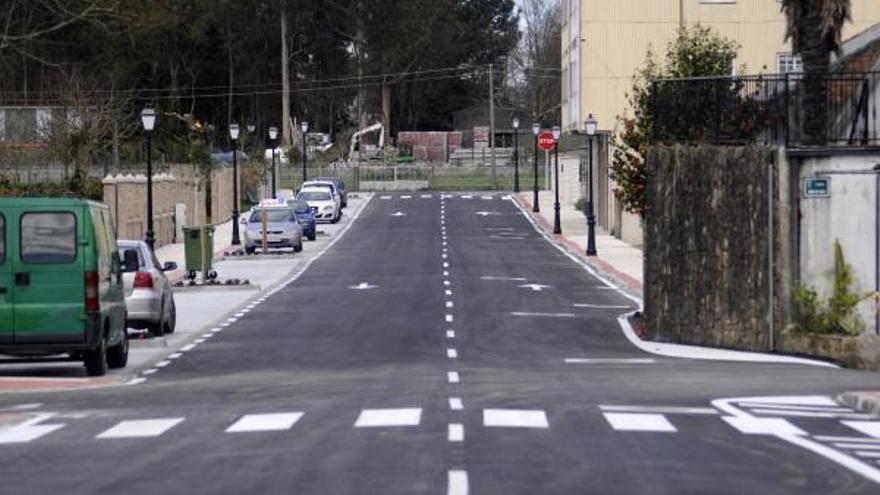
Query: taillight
92	303
143	280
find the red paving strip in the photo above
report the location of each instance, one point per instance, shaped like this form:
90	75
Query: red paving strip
604	266
39	384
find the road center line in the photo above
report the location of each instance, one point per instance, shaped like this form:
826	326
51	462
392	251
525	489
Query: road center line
544	315
608	361
456	404
450	334
453	377
457	483
456	432
451	353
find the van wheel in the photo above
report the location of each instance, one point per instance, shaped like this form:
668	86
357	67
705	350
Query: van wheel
96	359
117	356
171	322
157	329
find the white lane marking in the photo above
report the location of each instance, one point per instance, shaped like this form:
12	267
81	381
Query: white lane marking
452	377
450	334
448	292
363	286
188	347
870	428
801	400
515	418
488	197
444	255
215	330
207	335
23	407
136	381
854	446
149	371
506	279
140	428
445	264
29	430
446	274
545	315
466	196
608	361
780	407
498	229
825	438
371	418
661	409
811	414
385	197
406	197
457	483
456	404
232	320
452	353
448	318
426	196
398	214
449	304
162	364
535	287
199	341
445	243
639	422
446	283
239	315
600	306
763	426
872	455
265	422
456	432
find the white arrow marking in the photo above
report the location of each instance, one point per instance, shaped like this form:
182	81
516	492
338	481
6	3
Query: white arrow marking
535	287
398	214
362	286
488	213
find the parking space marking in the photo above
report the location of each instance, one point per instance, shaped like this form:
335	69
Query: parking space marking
452	353
453	377
456	404
456	432
265	422
639	422
140	428
373	418
515	418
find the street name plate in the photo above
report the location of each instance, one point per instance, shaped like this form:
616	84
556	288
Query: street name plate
817	187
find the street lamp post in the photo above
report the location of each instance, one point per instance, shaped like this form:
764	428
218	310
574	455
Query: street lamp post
148	119
515	155
591	124
304	127
233	133
557	221
273	138
536	129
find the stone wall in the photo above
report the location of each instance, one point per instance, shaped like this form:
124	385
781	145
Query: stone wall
126	195
707	233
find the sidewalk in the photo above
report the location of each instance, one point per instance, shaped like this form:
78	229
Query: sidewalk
617	259
175	252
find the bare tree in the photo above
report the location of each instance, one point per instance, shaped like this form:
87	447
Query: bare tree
534	66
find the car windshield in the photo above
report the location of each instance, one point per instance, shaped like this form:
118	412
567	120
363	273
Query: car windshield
299	206
272	215
314	196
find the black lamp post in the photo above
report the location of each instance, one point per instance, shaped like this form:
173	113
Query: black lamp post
304	127
148	119
273	139
233	133
536	129
591	124
515	155
557	221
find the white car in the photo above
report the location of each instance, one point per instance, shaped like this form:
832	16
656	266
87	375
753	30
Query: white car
337	195
323	203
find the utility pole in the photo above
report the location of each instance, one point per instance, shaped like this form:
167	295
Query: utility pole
492	127
680	14
285	80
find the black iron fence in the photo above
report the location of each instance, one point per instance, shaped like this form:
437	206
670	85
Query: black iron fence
774	108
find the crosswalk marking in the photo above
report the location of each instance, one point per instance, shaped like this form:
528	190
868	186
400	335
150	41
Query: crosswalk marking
870	428
762	426
370	418
29	430
140	428
515	418
265	422
639	422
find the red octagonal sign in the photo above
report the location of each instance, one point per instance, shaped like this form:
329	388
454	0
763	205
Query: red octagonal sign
545	140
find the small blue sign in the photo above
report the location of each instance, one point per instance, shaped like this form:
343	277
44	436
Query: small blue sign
817	187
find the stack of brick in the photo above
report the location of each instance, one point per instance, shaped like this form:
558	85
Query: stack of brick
433	146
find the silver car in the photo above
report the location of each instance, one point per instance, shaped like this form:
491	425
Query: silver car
282	229
149	298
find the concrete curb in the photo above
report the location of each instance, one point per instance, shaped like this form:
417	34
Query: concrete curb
864	401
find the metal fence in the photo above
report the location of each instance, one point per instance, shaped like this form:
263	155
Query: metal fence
770	108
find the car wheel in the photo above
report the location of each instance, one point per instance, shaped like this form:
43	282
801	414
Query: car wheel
250	250
117	357
299	247
157	329
313	236
171	322
96	359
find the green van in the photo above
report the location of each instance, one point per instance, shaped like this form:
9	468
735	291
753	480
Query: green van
61	289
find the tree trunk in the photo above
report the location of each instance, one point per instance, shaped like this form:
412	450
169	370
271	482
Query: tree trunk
361	95
816	55
386	108
285	81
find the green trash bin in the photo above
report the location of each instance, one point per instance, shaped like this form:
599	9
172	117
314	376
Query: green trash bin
196	250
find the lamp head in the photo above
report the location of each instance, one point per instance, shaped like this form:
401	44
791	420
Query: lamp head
591	125
557	133
251	128
273	133
234	131
536	129
304	126
148	119
515	123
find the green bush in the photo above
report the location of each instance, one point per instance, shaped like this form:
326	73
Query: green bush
83	188
837	315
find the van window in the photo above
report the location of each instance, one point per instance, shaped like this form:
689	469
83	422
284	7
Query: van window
2	239
48	238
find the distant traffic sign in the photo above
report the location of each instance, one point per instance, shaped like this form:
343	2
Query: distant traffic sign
545	140
817	187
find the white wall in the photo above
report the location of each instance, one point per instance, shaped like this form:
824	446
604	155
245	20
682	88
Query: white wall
848	215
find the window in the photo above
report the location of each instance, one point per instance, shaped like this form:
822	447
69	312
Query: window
2	239
48	238
787	63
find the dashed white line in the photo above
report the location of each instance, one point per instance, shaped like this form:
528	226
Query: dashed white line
609	361
456	404
140	428
188	347
448	292
450	334
453	377
452	353
456	432
449	318
162	364
149	371
449	304
544	315
457	483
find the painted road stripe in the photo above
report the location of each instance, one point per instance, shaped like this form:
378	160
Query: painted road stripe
506	279
609	361
385	197
162	364
445	264
466	196
600	306
449	318
846	439
448	292
661	409
140	428
639	422
456	404
406	197
456	432
449	304
445	274
450	334
265	422
370	418
188	347
515	418
811	414
457	483
426	196
149	371
453	377
870	455
762	405
452	353
854	446
763	426
29	430
544	315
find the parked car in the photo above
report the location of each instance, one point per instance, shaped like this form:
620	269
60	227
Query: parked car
323	204
282	229
61	288
337	195
340	187
149	297
306	218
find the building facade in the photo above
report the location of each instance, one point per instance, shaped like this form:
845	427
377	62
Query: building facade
605	42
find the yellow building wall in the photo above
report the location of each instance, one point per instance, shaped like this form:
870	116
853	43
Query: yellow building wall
616	34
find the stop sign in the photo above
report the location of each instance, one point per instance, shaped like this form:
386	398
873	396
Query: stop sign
545	140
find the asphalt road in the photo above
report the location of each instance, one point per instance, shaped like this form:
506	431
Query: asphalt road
443	346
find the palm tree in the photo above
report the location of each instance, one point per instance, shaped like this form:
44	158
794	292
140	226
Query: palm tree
814	28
